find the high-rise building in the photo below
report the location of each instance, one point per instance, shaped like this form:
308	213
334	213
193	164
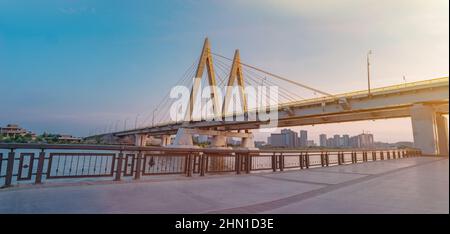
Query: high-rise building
290	138
337	140
287	139
330	142
363	140
303	138
345	140
276	140
323	140
366	140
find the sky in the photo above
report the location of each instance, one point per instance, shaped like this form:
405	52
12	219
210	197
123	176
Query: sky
78	67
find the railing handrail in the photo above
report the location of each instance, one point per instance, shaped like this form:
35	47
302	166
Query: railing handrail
174	149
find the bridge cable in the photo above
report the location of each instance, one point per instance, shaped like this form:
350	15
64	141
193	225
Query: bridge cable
284	93
278	77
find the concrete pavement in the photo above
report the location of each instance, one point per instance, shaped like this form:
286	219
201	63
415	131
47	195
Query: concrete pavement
410	185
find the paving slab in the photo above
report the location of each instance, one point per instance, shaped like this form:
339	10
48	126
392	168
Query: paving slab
412	185
314	177
421	189
374	167
185	196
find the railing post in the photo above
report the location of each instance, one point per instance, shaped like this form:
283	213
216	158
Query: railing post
238	163
248	167
137	174
189	165
374	156
119	166
202	164
307	160
339	158
40	167
381	155
274	162
281	160
327	159
9	168
321	159
301	160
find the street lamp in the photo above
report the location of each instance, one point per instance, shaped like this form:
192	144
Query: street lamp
368	71
135	121
115	127
153	117
125	124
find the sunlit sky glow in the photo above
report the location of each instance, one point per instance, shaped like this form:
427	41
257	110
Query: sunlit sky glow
76	66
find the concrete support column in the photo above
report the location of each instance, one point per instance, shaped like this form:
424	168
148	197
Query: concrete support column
248	142
219	141
140	139
442	133
183	138
423	119
151	140
165	140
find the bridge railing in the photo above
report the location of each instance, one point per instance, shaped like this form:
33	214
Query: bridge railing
42	163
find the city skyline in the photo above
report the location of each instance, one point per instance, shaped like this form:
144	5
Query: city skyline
70	60
287	138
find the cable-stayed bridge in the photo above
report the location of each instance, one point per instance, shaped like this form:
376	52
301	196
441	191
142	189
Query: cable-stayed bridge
293	104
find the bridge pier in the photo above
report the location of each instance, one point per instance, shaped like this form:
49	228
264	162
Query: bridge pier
165	140
248	142
442	128
140	139
219	141
429	130
184	138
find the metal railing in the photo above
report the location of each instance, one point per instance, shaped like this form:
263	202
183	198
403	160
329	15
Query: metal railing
39	163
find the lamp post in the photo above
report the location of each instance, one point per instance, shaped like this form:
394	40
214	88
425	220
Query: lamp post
135	121
125	124
153	117
115	127
368	71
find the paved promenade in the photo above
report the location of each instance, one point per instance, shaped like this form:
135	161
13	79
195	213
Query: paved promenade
410	185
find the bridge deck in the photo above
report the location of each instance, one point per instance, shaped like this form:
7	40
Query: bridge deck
409	185
382	99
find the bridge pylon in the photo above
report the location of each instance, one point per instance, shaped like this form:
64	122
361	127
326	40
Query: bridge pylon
236	74
205	60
